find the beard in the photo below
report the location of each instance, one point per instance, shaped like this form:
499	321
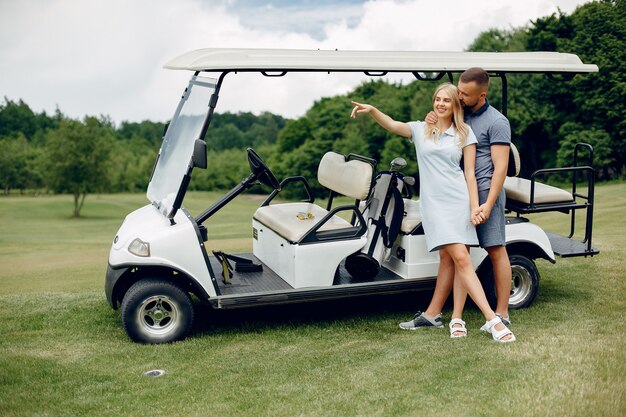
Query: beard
467	107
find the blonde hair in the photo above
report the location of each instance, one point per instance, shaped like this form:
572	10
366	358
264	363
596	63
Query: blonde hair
457	114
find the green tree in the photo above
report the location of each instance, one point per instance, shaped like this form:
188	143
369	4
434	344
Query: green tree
294	134
352	142
304	161
399	147
596	32
500	40
396	100
130	165
151	133
600	140
227	136
11	162
78	158
243	130
17	118
225	170
272	124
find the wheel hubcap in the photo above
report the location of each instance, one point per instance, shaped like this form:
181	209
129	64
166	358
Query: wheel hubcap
521	284
158	314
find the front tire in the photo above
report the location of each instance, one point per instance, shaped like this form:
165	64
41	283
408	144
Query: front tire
157	311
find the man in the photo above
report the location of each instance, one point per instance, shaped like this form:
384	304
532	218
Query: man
493	132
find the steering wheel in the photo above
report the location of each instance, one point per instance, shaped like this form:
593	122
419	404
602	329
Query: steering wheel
261	171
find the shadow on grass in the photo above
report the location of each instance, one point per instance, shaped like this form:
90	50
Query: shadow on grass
553	290
357	311
318	313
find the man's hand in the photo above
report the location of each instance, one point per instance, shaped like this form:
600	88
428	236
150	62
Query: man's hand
431	118
486	211
477	216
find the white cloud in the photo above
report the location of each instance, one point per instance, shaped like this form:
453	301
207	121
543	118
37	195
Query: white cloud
99	57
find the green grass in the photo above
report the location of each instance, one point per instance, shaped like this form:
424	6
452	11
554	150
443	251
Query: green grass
64	352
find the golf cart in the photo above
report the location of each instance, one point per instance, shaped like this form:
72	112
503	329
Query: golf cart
302	251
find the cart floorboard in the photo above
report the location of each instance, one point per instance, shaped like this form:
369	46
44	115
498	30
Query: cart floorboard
266	287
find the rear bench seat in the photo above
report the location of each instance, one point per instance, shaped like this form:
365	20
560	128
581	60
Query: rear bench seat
518	190
520	199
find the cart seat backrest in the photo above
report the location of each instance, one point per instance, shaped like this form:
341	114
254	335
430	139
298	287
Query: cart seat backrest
518	189
514	162
350	178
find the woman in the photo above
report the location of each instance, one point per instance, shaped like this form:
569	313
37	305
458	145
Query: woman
449	196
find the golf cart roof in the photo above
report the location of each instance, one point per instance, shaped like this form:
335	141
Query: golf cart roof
232	59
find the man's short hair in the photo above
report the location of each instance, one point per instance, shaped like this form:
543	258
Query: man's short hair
477	75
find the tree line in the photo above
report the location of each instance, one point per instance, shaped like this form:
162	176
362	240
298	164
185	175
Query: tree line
53	153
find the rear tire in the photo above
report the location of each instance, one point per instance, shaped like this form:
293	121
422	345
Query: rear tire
524	283
157	311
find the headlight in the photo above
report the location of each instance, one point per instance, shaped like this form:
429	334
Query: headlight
139	247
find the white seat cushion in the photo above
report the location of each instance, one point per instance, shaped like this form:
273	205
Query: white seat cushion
518	189
294	220
411	218
413	215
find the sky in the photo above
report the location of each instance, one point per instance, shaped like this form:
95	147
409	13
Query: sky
106	57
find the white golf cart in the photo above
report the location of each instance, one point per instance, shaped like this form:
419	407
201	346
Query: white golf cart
301	251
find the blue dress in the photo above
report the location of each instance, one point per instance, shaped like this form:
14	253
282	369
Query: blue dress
444	198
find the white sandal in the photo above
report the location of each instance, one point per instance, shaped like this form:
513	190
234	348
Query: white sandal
453	330
498	335
505	320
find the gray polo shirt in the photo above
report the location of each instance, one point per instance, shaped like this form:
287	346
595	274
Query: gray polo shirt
491	128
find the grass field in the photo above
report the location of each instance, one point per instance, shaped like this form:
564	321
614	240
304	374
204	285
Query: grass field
64	352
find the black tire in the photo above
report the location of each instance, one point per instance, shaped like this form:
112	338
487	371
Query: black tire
524	282
156	311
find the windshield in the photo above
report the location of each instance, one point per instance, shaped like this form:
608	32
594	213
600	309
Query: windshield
176	151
